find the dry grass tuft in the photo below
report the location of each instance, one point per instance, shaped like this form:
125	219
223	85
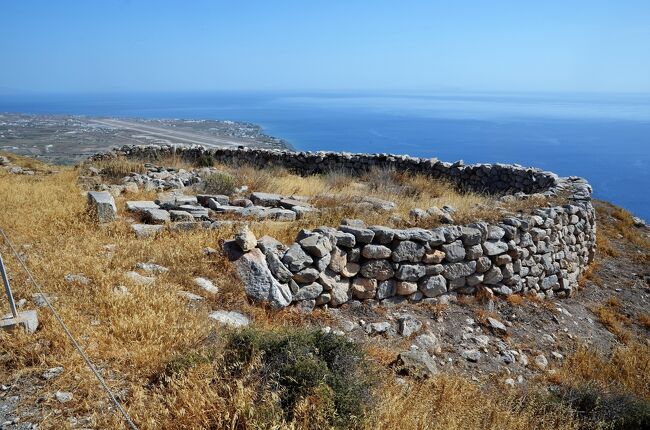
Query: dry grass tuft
116	168
516	299
621	225
591	274
339	192
614	321
644	320
626	369
449	402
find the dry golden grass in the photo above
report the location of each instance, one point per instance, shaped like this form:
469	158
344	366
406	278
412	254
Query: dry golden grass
132	335
626	369
26	162
337	194
114	169
622	227
449	402
614	321
591	274
133	338
337	191
604	246
644	320
516	299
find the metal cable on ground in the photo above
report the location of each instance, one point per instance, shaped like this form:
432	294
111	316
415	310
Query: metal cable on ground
81	352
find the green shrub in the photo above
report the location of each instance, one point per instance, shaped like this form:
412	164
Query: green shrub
307	364
606	409
220	183
205	160
181	363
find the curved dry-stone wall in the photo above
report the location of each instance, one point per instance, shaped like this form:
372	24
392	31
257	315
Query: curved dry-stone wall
545	251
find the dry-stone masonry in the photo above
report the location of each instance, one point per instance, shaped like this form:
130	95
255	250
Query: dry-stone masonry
544	252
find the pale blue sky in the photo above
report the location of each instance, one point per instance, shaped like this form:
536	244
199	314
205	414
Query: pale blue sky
568	45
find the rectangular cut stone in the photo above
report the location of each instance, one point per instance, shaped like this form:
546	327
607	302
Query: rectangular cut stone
140	205
102	206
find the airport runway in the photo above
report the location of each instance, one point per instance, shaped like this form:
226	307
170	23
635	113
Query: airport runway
174	136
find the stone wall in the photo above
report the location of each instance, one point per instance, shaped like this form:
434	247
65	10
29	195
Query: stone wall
545	251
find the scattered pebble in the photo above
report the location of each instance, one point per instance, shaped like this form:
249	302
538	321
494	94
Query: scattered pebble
206	285
472	355
63	396
137	278
52	373
541	361
154	268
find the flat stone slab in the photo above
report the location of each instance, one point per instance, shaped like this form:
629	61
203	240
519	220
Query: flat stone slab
206	285
204	199
146	230
180	216
156	216
291	203
26	319
228	209
266	199
230	318
278	214
140	205
186	200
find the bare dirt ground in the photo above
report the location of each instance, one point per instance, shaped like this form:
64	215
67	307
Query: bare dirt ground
554	328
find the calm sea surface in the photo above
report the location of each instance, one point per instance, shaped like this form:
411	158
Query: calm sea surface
605	138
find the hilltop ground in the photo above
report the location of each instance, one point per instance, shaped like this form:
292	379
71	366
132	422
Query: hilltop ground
174	367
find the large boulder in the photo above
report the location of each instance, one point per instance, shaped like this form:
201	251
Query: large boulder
259	283
102	206
408	251
156	216
140	205
433	286
145	230
417	363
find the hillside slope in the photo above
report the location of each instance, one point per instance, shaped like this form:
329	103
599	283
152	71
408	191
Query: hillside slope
581	362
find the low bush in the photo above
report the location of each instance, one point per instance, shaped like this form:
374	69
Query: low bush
307	367
119	167
205	160
607	410
220	183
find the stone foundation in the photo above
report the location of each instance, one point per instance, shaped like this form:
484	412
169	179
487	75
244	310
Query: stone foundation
545	251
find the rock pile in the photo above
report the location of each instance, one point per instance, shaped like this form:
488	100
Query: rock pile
6	164
186	212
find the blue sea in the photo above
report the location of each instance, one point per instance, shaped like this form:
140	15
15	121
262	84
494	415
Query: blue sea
605	138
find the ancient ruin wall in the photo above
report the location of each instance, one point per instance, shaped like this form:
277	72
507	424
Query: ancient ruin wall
544	252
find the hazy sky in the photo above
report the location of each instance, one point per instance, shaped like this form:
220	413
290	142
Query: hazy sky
519	45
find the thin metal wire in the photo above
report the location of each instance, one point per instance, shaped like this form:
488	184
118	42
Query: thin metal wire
81	352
